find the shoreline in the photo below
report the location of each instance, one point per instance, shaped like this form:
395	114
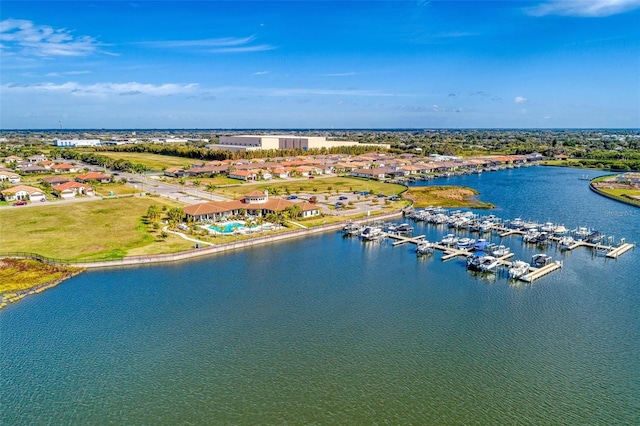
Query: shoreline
205	251
14	297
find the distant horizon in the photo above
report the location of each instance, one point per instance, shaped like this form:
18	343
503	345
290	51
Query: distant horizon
543	64
320	129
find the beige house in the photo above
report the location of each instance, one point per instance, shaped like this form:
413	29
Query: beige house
9	176
22	193
72	189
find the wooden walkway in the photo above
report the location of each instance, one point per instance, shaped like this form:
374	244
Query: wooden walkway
620	250
539	272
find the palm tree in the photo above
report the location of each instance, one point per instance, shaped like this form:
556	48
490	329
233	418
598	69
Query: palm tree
153	212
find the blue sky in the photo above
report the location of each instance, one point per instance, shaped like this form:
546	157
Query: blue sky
320	64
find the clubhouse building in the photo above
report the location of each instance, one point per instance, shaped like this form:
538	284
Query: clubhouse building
255	203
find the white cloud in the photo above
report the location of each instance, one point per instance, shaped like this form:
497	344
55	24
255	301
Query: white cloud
103	89
584	8
260	73
243	49
60	74
519	99
19	36
209	42
219	45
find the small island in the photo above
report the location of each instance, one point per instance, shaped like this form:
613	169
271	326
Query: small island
446	196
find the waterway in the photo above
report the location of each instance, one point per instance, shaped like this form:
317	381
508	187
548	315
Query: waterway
330	330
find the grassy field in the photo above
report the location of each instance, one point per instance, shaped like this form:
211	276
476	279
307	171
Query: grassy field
104	229
153	162
318	185
446	196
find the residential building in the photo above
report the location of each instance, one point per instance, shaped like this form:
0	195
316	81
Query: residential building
22	192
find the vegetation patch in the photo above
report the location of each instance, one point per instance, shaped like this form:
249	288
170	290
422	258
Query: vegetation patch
446	196
101	229
22	277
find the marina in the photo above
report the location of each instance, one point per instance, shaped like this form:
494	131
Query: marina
484	256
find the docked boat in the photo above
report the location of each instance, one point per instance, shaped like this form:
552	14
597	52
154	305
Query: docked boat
465	243
449	240
500	250
482	263
370	233
481	245
531	236
543	239
351	229
595	237
566	242
541	259
517	223
581	233
518	269
425	247
548	227
404	228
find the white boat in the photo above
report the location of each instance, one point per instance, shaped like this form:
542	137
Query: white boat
482	263
351	229
370	233
548	227
465	243
530	226
566	242
488	264
425	247
582	232
500	250
518	269
449	240
517	223
541	259
531	236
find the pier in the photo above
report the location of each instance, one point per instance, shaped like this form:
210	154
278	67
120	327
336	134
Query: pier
540	272
492	224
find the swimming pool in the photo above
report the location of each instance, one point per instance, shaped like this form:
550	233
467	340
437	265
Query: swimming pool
226	227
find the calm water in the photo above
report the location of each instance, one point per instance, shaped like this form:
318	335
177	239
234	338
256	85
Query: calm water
329	330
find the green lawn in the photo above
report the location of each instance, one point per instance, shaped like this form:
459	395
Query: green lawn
102	229
321	185
155	162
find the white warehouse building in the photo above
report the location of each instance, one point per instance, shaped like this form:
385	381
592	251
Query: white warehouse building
76	142
267	142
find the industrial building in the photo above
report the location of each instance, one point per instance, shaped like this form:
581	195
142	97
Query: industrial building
76	142
269	142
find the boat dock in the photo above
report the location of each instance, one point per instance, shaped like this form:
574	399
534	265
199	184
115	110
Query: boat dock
620	250
491	224
539	272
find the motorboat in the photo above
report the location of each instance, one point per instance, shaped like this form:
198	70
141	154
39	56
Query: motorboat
465	243
581	233
351	229
425	247
541	259
370	233
566	242
517	223
518	269
482	262
500	250
481	244
531	236
548	227
449	240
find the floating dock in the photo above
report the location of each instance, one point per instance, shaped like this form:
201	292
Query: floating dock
620	250
540	272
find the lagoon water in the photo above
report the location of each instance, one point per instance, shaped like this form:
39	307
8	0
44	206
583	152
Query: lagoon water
330	330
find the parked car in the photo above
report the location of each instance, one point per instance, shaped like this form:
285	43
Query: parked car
343	197
292	197
339	205
310	177
20	203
